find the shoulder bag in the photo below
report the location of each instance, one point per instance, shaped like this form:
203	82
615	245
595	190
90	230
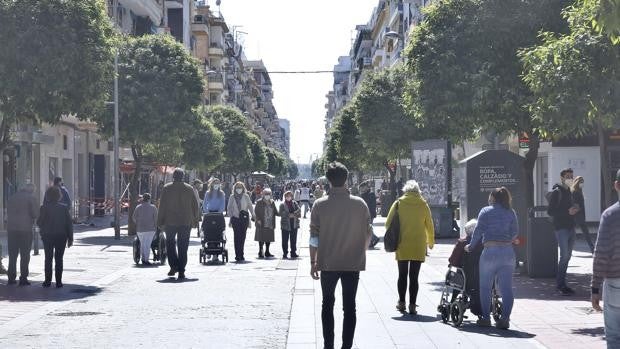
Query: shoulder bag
392	234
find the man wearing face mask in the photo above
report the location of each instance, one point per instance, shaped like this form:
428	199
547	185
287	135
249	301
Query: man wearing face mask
563	210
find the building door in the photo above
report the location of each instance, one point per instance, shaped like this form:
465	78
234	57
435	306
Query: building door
97	177
541	177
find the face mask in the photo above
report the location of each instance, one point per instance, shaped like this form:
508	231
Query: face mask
239	191
216	187
569	182
289	199
267	197
580	185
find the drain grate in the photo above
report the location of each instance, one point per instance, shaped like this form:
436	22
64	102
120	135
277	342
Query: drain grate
76	313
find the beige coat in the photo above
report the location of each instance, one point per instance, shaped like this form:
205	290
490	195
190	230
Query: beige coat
264	234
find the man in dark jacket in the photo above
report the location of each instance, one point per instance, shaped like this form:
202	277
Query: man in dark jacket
22	211
65	198
371	201
563	211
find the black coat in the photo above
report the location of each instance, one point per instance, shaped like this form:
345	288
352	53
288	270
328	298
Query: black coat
55	222
578	199
371	201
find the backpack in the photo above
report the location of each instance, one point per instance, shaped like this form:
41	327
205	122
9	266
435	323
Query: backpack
392	234
549	197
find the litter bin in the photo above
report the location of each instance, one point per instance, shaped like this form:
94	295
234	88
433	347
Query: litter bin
541	246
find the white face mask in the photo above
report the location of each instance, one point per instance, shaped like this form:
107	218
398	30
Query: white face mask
239	191
216	187
267	197
569	182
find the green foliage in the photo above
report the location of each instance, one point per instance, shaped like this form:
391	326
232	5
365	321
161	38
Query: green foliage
384	128
344	143
259	153
276	162
605	18
293	171
56	59
203	148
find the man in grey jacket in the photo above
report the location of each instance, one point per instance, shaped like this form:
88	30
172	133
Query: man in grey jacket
339	236
22	211
606	270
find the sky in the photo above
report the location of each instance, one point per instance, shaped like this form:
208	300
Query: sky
298	35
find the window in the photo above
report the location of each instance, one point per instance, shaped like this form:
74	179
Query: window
98	144
65	142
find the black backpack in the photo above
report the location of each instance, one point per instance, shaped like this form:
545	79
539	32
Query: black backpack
392	234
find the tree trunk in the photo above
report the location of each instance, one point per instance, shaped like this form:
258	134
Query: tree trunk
134	186
528	167
607	177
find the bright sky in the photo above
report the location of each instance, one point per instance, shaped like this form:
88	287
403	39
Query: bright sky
298	35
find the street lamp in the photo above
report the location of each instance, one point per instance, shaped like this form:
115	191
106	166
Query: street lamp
115	174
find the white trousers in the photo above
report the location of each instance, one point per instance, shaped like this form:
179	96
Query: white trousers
146	238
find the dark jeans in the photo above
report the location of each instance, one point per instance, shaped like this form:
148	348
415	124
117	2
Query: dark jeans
19	245
240	228
586	235
411	269
54	249
292	234
566	241
348	281
177	235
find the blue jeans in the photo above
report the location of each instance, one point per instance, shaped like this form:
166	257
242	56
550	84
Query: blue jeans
611	311
566	241
497	263
177	259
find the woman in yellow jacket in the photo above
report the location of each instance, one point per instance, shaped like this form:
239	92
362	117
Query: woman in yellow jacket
416	234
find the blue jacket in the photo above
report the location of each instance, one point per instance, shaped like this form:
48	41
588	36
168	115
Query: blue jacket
495	223
214	202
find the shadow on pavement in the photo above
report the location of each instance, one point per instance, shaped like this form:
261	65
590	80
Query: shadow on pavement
415	318
494	332
36	293
544	289
591	332
172	280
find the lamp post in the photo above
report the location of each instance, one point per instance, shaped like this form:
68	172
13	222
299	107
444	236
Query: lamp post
115	165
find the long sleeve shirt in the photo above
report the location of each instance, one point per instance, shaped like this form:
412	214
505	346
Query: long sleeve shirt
495	223
606	263
214	202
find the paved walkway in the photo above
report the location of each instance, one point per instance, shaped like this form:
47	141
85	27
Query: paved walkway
540	318
108	302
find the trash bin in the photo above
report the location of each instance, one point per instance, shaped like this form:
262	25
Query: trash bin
541	246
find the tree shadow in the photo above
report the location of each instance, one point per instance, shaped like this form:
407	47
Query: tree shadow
590	332
545	288
415	318
36	293
494	332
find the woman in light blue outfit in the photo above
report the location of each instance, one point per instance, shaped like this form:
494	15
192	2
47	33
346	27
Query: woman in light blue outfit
497	230
215	199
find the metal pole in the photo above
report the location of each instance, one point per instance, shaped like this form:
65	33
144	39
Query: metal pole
115	172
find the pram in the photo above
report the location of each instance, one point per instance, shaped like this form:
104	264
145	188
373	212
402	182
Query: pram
158	247
459	296
213	238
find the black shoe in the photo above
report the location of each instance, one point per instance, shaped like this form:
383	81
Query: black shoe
59	284
268	255
260	255
181	276
146	263
284	256
294	255
47	284
373	242
502	324
172	272
566	291
12	282
24	282
241	259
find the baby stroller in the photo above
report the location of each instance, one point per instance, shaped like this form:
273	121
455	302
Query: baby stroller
460	295
158	247
213	237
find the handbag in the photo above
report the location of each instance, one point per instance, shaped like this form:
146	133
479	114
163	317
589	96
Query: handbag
392	234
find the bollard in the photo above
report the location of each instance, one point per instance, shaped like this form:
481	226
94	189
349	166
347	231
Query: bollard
35	239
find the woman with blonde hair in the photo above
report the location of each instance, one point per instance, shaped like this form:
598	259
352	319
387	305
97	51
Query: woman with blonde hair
580	218
239	210
417	233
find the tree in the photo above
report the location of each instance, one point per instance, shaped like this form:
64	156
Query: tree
605	18
293	171
576	81
385	130
344	143
466	74
203	149
259	153
160	84
237	153
276	162
56	60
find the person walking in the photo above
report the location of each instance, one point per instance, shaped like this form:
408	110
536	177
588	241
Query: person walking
22	211
497	229
65	198
266	213
563	210
339	236
371	201
178	213
606	270
580	217
304	198
145	217
239	210
290	212
56	229
197	185
417	234
214	202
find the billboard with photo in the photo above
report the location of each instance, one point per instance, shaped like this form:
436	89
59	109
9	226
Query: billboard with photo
430	167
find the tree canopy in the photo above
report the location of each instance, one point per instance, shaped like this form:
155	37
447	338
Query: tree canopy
203	148
56	60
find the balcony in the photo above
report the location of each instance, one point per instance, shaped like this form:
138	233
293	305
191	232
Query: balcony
377	57
216	50
145	8
215	81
